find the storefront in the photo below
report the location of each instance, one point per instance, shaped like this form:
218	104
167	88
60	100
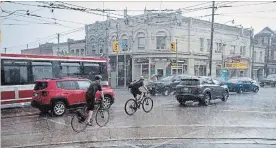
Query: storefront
237	69
161	66
124	69
200	68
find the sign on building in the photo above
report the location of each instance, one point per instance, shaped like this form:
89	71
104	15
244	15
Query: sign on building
236	65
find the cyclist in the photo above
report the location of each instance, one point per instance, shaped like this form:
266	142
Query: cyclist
136	86
90	96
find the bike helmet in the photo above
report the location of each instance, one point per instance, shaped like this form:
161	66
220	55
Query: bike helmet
98	77
141	78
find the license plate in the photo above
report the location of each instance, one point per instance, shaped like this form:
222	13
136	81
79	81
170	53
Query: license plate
186	89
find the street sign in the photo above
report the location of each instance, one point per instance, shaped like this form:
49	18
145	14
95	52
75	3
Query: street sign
236	65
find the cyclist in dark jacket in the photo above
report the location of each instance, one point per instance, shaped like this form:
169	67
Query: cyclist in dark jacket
136	86
90	96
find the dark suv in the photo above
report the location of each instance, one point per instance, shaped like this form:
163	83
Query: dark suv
58	94
201	89
269	80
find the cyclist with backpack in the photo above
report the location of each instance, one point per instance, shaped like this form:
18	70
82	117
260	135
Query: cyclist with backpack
135	87
90	96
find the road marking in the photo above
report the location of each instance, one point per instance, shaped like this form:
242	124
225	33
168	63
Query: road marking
166	142
57	122
247	111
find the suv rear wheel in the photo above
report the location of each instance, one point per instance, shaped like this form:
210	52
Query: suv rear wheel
59	108
225	96
206	100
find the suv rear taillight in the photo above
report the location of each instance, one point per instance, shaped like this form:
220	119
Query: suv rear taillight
44	93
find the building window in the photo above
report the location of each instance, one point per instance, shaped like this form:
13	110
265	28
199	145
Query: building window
101	45
219	48
208	45
261	56
124	45
242	50
254	56
161	42
201	44
93	52
78	52
145	71
141	43
82	52
233	50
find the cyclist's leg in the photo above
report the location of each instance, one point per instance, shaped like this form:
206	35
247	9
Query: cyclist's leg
90	108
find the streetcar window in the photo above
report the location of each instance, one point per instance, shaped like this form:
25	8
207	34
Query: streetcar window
90	70
15	72
42	70
70	69
40	85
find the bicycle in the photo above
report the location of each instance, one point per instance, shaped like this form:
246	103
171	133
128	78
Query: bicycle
135	104
81	115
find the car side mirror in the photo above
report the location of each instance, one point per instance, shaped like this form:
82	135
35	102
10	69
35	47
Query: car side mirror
173	80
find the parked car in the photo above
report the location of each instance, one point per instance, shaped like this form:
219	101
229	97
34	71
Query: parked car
240	85
165	86
201	89
59	94
269	80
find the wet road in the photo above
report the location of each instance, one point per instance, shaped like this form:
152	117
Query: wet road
244	120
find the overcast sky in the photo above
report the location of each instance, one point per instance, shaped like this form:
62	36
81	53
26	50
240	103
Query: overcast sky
18	31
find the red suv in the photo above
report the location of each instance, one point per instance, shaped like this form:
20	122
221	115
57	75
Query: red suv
58	94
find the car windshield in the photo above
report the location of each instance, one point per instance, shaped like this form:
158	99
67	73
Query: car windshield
167	78
190	82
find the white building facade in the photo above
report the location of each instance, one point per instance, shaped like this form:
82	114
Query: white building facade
148	52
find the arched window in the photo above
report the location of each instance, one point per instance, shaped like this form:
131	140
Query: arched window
124	43
101	45
141	41
91	46
78	52
82	52
161	40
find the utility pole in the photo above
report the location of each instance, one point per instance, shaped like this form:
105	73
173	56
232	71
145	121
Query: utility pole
58	43
212	38
106	45
252	51
176	57
117	57
27	46
5	50
125	66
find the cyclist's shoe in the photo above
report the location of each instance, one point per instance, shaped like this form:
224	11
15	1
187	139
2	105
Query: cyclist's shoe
89	123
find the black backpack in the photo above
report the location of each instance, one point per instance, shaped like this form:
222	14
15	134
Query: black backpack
135	84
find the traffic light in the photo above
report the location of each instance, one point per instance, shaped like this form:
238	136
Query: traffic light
115	46
173	48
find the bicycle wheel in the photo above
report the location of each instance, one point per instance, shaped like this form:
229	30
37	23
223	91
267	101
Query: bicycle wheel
102	116
78	123
147	104
132	104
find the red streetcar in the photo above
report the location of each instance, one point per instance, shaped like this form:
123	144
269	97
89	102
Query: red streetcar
20	71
